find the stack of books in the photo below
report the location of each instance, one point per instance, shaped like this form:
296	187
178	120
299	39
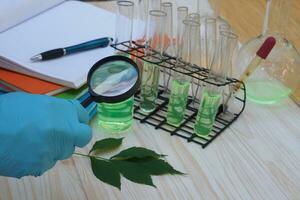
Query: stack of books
12	81
31	27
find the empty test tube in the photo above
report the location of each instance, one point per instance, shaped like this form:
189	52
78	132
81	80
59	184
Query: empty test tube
182	13
210	41
155	4
124	23
144	7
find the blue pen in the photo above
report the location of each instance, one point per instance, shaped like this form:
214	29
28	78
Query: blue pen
56	53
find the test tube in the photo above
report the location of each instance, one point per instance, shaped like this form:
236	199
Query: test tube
124	24
210	40
151	71
167	7
231	40
198	6
144	7
143	12
196	57
182	13
117	117
212	95
181	83
154	4
194	17
224	27
168	46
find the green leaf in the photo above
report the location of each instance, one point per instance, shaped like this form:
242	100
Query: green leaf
133	172
107	144
136	152
158	167
106	172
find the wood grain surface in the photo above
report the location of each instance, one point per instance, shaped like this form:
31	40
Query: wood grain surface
258	157
246	18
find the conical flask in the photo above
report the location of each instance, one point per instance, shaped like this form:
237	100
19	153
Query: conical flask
277	76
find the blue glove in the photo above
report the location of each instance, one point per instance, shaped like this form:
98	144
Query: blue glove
38	130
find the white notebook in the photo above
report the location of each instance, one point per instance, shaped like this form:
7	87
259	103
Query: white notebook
60	24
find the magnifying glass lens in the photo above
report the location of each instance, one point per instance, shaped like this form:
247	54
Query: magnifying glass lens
113	79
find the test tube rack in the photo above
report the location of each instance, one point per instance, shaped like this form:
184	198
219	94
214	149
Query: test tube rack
200	76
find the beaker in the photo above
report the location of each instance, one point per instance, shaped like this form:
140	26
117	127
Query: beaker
151	71
277	76
180	83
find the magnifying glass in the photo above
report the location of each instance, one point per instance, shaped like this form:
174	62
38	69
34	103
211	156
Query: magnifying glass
112	80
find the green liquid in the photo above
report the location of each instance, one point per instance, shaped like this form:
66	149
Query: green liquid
207	113
115	117
149	87
177	103
266	92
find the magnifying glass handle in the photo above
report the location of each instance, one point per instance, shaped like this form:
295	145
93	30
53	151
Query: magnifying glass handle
87	101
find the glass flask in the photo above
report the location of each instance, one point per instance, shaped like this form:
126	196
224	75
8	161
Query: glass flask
117	117
151	71
277	76
180	83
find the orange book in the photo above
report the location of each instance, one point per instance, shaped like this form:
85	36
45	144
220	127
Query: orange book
21	82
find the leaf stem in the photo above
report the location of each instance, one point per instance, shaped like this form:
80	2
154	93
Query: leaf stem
89	156
79	154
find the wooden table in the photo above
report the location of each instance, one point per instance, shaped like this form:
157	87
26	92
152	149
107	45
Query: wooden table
257	158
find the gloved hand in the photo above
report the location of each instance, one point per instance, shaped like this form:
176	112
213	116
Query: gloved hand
38	130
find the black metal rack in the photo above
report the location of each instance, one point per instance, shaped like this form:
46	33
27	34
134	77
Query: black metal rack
158	117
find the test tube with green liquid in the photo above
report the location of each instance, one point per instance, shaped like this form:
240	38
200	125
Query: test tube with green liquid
118	117
212	94
207	112
151	71
180	84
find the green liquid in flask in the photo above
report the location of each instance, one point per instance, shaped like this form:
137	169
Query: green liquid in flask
177	103
207	113
149	87
266	92
115	117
